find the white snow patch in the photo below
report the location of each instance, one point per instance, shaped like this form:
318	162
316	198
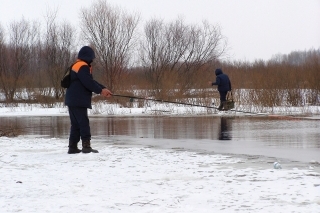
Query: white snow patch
37	175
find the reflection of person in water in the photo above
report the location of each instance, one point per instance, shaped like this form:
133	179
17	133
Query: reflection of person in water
225	131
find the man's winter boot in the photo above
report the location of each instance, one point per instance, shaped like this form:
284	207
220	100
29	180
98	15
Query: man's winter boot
73	148
86	147
220	107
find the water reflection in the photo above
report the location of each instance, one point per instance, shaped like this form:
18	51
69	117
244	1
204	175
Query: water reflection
157	127
50	126
225	129
251	135
253	130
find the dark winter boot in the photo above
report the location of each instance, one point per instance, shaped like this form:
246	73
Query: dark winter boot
220	107
73	148
86	147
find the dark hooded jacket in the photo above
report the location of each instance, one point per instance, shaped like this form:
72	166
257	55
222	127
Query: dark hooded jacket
223	81
82	85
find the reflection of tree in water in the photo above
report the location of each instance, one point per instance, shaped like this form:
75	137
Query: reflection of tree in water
225	129
9	127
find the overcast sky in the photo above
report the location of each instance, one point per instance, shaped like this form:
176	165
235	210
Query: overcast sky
255	29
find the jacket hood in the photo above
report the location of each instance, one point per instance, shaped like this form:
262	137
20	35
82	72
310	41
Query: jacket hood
218	71
86	54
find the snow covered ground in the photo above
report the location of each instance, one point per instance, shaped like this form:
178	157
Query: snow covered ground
153	108
37	175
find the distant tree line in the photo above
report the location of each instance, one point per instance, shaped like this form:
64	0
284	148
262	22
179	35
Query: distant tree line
285	80
169	60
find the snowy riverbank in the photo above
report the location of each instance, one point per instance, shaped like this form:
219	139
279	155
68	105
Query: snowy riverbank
38	176
154	108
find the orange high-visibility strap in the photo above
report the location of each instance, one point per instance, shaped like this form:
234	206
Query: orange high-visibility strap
76	67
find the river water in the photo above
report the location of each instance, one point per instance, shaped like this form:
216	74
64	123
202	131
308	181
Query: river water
289	138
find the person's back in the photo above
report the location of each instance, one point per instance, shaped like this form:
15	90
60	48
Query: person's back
222	81
224	85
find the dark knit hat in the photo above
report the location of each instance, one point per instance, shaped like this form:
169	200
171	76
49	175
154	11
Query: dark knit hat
86	53
218	71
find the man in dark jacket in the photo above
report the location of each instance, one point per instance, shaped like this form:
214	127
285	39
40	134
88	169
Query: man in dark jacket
78	100
224	85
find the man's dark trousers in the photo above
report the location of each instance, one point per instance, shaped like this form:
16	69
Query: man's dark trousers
223	96
80	127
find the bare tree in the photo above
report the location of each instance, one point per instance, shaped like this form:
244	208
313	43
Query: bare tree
16	55
178	50
111	32
153	54
3	58
57	51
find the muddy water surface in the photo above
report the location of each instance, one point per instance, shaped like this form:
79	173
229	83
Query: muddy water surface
294	139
